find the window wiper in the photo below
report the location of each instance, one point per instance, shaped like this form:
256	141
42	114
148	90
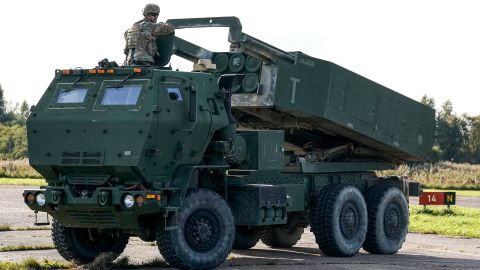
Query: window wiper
120	84
83	75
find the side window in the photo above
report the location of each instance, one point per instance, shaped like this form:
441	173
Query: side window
174	93
125	95
71	95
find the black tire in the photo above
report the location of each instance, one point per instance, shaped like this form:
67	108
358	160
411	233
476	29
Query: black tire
246	237
387	219
82	246
339	220
205	232
284	236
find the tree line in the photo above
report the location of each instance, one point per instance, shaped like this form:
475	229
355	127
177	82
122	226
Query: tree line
13	137
457	137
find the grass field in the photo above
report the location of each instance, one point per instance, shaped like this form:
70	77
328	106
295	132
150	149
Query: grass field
17	169
464	193
442	175
458	221
23	181
25	247
32	264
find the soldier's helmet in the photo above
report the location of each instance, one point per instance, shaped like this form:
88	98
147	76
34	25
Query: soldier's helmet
151	8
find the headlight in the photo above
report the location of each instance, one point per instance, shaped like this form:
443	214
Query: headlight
128	201
40	199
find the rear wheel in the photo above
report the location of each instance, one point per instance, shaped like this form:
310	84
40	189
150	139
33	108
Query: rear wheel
387	219
283	236
339	220
246	237
83	245
205	232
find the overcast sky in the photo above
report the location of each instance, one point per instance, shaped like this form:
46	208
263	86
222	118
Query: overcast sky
413	47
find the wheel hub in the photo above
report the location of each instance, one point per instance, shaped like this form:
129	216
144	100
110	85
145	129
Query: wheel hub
349	220
392	221
202	230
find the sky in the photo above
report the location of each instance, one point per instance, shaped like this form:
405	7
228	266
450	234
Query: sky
414	47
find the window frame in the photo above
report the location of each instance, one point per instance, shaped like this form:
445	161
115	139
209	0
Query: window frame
89	86
110	84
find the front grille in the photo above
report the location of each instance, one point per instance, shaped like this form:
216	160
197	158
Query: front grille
87	179
82	158
93	218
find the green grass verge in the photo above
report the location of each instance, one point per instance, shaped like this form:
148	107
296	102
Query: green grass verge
6	227
124	263
29	264
458	221
465	193
24	247
23	182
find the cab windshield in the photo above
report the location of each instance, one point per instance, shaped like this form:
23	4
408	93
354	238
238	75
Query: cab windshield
71	95
125	95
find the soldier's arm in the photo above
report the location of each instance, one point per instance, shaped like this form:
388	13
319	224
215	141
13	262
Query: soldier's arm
161	29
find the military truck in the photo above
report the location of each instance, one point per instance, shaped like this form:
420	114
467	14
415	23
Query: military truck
257	146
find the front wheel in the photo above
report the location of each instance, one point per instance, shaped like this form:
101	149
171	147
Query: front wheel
83	245
387	219
204	235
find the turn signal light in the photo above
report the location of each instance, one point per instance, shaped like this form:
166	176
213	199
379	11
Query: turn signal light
30	198
137	70
153	196
66	72
139	200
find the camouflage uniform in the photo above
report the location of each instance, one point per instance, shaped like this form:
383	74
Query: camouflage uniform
141	47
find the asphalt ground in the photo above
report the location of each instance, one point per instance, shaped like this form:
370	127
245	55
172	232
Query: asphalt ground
420	251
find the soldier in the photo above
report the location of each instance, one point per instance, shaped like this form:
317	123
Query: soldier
140	47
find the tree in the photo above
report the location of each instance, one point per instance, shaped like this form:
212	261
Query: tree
430	102
13	142
450	133
24	110
3	109
472	142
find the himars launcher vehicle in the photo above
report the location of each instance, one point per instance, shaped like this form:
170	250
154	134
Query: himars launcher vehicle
258	146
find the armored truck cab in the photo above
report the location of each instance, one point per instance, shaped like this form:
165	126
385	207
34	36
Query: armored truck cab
102	122
257	146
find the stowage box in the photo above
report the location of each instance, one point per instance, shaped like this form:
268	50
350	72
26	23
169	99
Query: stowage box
258	204
265	149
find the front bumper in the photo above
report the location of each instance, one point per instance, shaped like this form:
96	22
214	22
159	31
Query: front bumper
102	208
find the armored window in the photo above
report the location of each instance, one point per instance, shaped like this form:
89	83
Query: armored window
174	93
125	95
71	95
